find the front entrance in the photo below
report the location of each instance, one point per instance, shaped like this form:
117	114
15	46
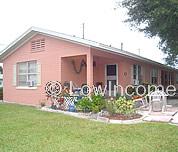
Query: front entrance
111	75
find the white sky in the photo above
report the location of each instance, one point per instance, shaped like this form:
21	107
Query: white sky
102	23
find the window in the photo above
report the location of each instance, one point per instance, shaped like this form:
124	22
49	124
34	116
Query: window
38	45
176	78
154	76
111	70
137	74
171	78
27	73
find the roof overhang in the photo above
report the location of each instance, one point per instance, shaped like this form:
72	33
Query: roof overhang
12	47
35	30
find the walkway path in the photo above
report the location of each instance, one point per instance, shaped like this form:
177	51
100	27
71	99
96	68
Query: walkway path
170	116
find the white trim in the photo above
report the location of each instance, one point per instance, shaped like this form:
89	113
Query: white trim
26	88
151	74
27	74
8	48
39	74
14	79
137	81
106	77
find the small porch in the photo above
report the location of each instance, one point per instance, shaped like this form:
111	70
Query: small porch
98	67
91	69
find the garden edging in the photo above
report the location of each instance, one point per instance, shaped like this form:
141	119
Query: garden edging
95	117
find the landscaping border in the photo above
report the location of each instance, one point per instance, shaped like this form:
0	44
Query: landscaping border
95	117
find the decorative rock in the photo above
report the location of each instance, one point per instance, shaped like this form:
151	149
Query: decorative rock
103	113
138	104
103	119
94	116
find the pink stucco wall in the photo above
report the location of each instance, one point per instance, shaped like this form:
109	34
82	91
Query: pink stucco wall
56	64
68	72
124	68
49	59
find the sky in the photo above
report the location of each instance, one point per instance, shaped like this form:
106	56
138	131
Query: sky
103	23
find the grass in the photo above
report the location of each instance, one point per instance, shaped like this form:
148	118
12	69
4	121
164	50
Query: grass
24	128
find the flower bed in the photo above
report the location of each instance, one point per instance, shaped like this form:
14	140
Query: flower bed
96	106
95	117
124	117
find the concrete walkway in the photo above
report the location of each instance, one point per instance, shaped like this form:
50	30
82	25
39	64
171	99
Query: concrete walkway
170	116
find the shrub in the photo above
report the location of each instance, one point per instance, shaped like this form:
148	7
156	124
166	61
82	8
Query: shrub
124	106
125	96
95	104
84	104
110	107
118	95
98	103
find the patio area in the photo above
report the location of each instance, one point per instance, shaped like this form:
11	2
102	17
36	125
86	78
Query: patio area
169	116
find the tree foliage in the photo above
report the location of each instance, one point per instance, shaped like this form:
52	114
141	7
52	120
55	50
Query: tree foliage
156	18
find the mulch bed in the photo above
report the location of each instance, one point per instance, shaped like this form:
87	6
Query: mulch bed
124	117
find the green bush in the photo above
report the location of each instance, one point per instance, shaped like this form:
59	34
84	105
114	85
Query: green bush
124	106
95	104
110	107
98	103
84	104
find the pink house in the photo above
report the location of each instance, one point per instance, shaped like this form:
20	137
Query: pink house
39	56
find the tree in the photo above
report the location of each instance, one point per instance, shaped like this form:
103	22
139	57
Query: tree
156	18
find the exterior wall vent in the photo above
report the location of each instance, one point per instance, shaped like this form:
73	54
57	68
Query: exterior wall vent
38	45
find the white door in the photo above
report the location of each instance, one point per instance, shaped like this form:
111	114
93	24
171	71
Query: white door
111	75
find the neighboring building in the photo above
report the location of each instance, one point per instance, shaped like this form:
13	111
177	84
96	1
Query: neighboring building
39	56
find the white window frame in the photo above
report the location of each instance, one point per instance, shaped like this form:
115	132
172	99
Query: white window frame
111	77
27	75
154	74
137	79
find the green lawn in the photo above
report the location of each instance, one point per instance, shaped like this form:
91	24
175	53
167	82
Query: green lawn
24	128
